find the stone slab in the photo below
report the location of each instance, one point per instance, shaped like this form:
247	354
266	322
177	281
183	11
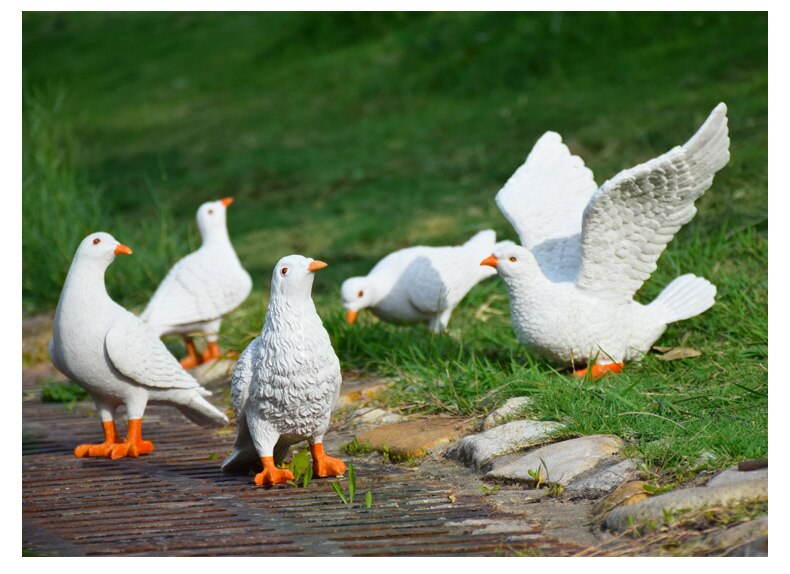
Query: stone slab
603	479
413	439
733	475
560	462
512	409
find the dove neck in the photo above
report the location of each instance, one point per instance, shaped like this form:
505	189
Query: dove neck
84	286
290	311
216	237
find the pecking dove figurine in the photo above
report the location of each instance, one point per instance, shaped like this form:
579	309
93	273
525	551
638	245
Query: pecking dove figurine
114	355
201	287
420	283
585	250
286	381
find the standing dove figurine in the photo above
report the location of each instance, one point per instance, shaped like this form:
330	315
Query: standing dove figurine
586	250
114	355
420	283
201	287
286	381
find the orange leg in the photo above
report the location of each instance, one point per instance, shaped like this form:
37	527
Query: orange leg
192	359
597	371
271	474
134	445
211	353
103	449
324	465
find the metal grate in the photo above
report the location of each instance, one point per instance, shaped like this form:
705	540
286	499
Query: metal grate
176	501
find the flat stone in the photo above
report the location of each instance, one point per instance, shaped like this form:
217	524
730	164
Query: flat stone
603	479
560	462
413	439
372	417
626	494
479	449
357	390
655	508
214	372
733	475
511	410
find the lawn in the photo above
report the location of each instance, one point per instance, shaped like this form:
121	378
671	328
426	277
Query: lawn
344	137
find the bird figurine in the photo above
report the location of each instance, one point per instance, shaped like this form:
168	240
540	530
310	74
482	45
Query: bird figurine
200	288
420	284
286	381
114	356
585	251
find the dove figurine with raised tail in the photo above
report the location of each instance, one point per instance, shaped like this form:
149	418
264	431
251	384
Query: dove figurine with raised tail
420	284
586	250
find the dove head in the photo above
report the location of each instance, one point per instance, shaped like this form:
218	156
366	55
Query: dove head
99	250
211	219
357	294
292	277
513	262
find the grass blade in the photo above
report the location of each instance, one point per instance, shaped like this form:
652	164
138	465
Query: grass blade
368	499
352	483
339	491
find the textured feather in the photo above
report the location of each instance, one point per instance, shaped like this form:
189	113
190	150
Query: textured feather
633	217
203	286
138	354
544	201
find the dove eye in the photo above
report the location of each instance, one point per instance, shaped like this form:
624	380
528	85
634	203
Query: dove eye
283	271
360	294
211	212
513	259
96	241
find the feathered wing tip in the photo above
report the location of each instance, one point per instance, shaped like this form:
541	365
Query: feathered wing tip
686	297
710	146
200	411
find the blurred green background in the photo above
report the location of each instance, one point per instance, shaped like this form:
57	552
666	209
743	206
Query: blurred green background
346	136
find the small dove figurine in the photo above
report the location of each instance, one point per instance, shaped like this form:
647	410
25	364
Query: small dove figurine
420	284
585	251
201	287
286	381
114	356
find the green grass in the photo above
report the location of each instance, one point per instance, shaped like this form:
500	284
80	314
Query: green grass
346	137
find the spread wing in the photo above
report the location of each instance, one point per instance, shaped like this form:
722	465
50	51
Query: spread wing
138	353
196	290
544	201
633	217
242	375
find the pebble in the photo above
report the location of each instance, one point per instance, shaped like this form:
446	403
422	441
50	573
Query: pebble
511	410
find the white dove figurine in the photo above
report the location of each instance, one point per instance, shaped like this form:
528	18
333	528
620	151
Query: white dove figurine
586	250
420	283
114	355
286	381
201	287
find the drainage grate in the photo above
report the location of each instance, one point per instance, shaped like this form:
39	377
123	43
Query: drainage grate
176	501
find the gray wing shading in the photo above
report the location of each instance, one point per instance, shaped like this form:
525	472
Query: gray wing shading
442	276
138	354
242	376
544	201
633	217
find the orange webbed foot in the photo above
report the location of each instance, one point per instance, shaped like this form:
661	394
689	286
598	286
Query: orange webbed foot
134	445
324	465
271	474
99	450
597	371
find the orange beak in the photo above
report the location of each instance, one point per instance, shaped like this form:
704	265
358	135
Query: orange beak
315	265
351	316
122	249
227	201
491	261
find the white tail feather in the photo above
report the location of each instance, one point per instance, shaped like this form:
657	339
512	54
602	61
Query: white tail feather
200	411
686	297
